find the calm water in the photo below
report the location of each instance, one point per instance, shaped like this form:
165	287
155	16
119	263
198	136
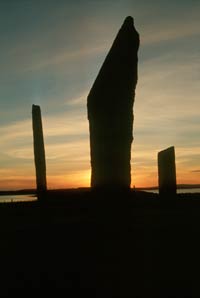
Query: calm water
190	190
26	198
17	198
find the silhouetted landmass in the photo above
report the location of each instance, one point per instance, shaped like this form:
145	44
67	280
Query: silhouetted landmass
127	244
39	151
68	190
18	192
110	111
167	172
178	186
185	186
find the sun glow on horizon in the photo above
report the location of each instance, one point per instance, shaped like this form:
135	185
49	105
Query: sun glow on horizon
68	159
71	180
77	179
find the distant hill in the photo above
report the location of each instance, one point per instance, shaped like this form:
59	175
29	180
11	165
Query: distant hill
33	191
179	186
18	192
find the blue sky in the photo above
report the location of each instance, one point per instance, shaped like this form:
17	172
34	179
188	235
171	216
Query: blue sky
51	52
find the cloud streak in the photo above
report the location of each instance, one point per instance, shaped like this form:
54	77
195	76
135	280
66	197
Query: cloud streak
170	32
67	157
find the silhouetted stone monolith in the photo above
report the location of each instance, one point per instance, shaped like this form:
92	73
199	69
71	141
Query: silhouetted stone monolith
167	172
39	152
110	111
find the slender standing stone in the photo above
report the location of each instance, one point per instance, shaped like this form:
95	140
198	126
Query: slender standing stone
110	111
39	152
167	172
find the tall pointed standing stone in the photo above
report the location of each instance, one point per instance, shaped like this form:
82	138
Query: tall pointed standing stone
167	172
110	111
39	152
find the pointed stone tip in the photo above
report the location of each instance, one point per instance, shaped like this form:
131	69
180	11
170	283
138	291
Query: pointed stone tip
129	24
129	20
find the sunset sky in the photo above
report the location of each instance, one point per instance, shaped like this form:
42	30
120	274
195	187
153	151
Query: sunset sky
51	52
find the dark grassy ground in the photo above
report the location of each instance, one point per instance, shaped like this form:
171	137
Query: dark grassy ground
101	245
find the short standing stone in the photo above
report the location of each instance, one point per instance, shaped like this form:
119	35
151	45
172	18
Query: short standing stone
167	172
